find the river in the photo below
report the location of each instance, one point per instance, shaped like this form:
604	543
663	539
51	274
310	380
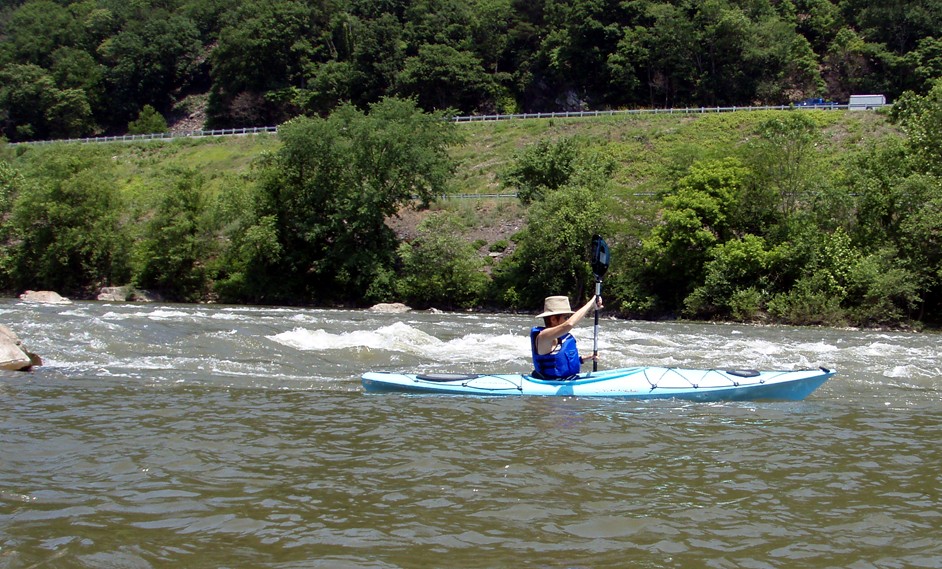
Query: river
161	435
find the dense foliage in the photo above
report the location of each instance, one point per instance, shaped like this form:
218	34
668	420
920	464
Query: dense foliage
768	223
79	67
771	231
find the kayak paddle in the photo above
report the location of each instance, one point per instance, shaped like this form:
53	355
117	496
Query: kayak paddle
601	257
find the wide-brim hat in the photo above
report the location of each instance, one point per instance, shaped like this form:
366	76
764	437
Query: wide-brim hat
555	305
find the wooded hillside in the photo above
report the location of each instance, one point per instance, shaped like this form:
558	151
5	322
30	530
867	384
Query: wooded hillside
72	68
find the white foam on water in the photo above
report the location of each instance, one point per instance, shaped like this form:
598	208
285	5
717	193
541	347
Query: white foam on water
482	348
903	371
395	337
159	314
75	312
403	338
726	348
228	316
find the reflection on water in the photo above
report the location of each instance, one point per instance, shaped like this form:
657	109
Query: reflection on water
239	437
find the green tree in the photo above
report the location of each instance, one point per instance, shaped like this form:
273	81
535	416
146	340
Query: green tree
10	183
177	242
37	28
552	252
37	109
881	290
147	62
378	57
926	62
10	179
695	217
783	158
149	121
210	16
854	65
77	69
68	115
541	168
899	25
818	22
879	178
918	243
920	117
247	271
663	45
334	182
724	30
817	296
782	62
66	221
581	36
441	77
440	267
548	165
268	48
439	22
739	277
356	70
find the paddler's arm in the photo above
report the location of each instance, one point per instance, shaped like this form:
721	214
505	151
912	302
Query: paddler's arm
546	337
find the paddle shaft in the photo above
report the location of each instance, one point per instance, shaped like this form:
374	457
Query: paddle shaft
595	340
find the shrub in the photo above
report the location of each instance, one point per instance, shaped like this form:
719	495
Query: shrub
746	304
440	267
499	246
149	121
806	304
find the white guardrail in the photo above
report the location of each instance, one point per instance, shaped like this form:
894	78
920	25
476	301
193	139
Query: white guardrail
474	118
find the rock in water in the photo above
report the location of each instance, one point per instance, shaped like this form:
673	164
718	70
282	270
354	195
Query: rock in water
390	307
13	356
44	297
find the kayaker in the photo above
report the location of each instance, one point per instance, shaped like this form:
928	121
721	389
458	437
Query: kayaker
555	355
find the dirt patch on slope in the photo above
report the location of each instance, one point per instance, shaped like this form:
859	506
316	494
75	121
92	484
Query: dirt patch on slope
491	221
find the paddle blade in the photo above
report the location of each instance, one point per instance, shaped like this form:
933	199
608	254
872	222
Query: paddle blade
601	256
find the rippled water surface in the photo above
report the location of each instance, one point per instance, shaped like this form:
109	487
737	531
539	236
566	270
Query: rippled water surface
196	436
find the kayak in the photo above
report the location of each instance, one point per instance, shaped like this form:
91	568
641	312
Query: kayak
630	383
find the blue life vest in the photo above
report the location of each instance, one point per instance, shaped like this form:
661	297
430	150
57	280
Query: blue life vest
558	364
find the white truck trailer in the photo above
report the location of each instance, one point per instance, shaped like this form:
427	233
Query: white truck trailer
865	102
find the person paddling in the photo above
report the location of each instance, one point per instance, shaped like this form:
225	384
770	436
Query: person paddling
555	355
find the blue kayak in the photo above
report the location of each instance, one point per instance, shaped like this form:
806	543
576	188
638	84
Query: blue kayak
631	383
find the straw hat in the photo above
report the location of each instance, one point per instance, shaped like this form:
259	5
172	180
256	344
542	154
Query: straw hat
555	305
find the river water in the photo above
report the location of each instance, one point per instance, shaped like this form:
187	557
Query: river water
211	436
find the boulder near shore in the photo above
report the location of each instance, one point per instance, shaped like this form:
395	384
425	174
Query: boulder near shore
13	356
390	308
44	297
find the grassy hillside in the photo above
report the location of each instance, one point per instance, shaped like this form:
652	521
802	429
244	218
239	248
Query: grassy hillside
649	149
